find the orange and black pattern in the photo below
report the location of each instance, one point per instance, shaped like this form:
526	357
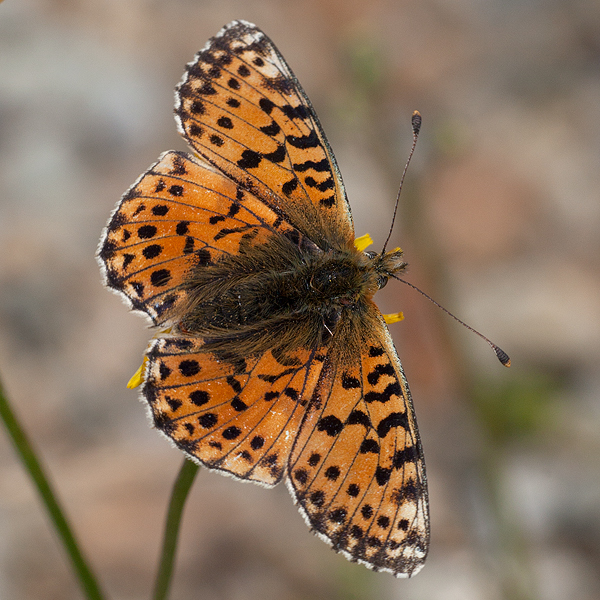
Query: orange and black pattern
277	364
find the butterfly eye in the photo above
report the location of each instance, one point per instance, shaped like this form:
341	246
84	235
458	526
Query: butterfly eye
382	281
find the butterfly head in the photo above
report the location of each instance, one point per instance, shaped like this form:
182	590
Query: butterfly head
385	265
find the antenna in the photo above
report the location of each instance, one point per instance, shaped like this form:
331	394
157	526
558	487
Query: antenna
416	121
500	354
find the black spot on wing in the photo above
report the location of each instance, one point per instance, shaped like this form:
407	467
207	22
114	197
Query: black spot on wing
406	455
289	186
266	105
378	371
322	165
199	397
277	156
353	490
271	130
331	425
160	277
314	459
197	107
332	473
146	232
323	186
189	368
160	210
225	123
182	227
295	112
250	159
128	259
304	141
369	446
349	382
208	420
231	432
257	442
243	71
151	251
358	417
176	190
392	389
395	419
382	475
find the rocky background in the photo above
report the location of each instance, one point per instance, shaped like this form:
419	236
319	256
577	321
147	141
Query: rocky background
499	220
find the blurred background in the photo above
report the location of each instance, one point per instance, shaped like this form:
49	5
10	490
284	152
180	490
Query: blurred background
499	220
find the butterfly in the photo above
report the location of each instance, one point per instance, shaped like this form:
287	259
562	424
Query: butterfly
275	363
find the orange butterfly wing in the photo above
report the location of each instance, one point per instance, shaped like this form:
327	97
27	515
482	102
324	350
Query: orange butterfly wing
357	468
239	417
241	108
179	215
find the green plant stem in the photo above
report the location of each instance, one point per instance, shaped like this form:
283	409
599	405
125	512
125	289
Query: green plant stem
182	486
33	466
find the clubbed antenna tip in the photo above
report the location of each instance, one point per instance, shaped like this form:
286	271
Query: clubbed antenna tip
502	356
416	122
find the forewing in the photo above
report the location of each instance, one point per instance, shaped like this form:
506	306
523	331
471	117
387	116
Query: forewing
239	416
180	215
240	107
357	468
